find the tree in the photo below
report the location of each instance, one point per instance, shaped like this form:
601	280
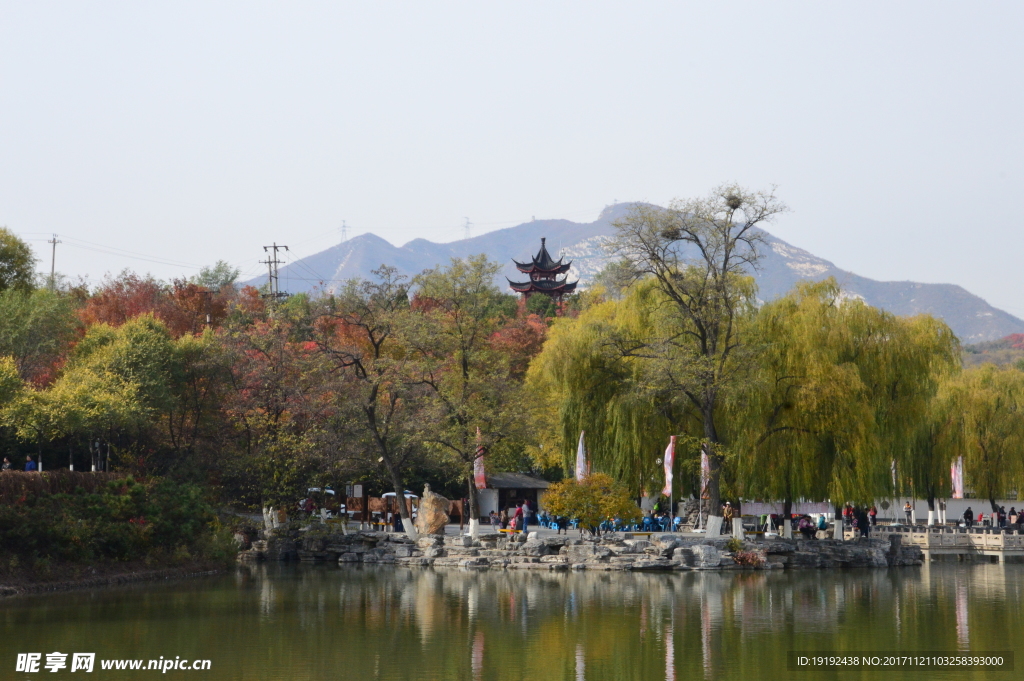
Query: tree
592	500
986	423
839	393
357	333
591	376
280	405
473	400
220	275
17	262
36	329
699	254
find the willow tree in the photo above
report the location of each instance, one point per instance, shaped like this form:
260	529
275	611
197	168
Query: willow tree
840	392
592	377
699	253
986	424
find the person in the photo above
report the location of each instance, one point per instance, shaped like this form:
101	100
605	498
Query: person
1002	516
503	519
873	515
908	511
864	524
727	515
822	522
563	524
969	517
516	523
1013	514
7	465
397	522
527	514
805	527
30	465
495	521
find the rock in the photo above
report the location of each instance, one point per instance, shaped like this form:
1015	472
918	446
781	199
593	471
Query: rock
348	558
434	552
531	536
536	548
458	540
700	556
281	549
587	552
429	541
653	564
433	513
803	559
463	551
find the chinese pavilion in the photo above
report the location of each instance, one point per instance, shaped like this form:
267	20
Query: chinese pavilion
544	276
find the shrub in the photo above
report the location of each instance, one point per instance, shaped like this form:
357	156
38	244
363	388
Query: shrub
122	519
751	558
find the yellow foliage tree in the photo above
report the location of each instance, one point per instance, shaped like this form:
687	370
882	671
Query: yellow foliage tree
592	500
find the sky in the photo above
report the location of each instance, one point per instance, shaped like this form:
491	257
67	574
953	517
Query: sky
162	137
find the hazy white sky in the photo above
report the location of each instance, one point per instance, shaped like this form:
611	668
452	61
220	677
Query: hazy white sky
191	132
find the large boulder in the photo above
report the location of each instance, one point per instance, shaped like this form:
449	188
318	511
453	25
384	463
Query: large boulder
700	556
433	513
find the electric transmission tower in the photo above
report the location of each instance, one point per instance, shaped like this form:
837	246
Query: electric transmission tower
272	280
344	231
468	225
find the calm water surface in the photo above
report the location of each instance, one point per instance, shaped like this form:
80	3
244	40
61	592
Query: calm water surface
325	622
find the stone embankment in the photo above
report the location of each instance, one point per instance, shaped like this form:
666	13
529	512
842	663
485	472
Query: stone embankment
612	552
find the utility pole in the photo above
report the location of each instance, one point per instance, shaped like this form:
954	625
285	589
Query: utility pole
344	232
468	225
53	258
272	262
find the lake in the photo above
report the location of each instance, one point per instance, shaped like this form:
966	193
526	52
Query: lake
271	621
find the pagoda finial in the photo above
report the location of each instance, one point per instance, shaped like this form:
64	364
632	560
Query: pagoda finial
542	240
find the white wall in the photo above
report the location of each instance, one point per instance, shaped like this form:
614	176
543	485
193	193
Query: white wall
954	508
488	499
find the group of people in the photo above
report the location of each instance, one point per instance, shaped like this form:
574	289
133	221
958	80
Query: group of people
30	464
1000	518
519	521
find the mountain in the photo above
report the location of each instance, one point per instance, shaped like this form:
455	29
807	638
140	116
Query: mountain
781	266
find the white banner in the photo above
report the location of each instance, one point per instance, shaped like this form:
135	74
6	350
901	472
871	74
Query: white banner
670	456
581	459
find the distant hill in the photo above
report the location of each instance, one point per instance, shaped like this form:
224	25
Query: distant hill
781	266
1009	350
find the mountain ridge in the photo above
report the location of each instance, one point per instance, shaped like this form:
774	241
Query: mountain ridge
780	267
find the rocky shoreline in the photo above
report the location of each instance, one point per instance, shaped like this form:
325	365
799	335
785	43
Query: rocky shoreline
611	552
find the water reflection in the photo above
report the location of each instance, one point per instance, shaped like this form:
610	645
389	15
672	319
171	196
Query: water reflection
301	622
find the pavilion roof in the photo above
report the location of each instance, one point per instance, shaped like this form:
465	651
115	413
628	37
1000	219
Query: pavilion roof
543	285
543	262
